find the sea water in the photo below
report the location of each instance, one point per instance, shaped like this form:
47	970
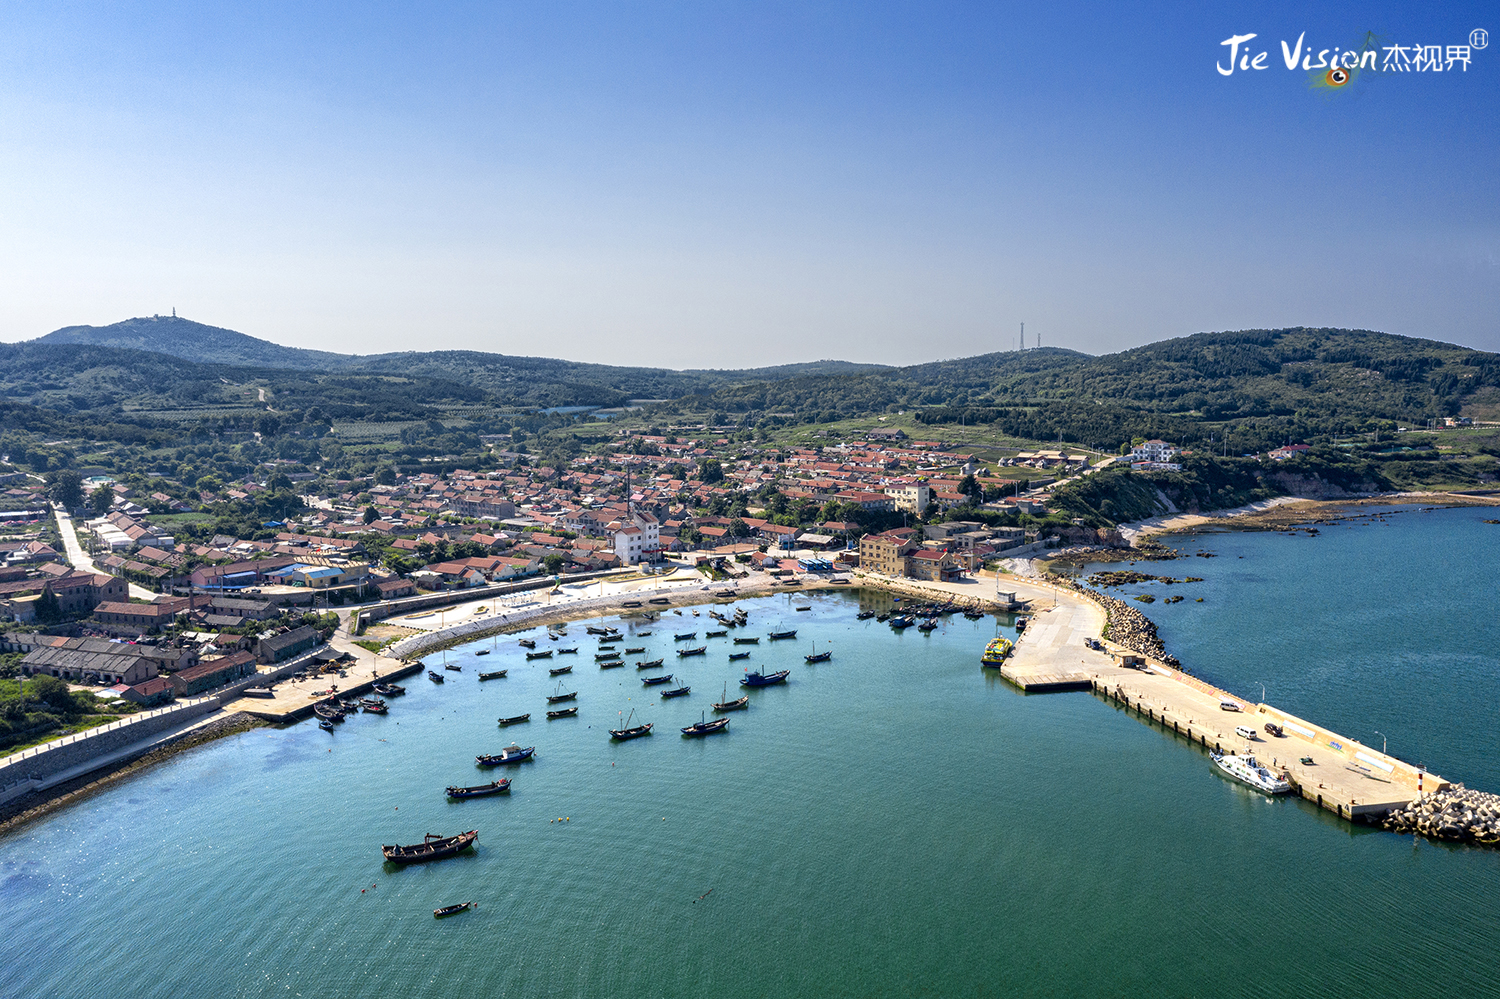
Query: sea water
895	822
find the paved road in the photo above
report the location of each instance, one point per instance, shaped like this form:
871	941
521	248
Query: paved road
80	560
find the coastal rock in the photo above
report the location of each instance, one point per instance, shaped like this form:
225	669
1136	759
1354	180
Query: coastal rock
1456	814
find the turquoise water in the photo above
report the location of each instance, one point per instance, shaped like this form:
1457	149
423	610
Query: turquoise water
896	822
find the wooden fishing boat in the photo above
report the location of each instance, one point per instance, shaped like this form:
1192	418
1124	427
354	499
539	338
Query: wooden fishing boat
764	679
927	625
807	608
434	677
631	732
686	636
901	623
500	786
778	635
864	615
432	847
635	651
453	667
568	652
325	724
510	754
612	664
539	655
643	634
327	713
451	910
651	681
706	727
392	689
557	698
560	670
563	713
737	656
483	652
494	674
748	641
516	719
653	664
715	634
821	657
606	655
682	691
701	650
611	640
727	705
374	706
882	618
527	643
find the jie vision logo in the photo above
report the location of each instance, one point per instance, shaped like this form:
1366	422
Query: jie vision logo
1336	67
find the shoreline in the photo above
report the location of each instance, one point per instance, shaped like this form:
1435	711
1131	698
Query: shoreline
1282	512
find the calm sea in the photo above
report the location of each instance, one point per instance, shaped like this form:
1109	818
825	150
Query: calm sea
893	823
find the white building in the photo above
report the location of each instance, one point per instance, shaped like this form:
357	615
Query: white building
1158	451
638	541
911	498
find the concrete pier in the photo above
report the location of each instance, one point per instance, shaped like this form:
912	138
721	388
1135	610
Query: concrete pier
294	699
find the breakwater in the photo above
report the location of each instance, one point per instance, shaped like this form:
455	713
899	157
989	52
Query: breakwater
1127	626
1456	813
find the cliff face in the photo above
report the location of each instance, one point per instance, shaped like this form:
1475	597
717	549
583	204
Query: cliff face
1316	487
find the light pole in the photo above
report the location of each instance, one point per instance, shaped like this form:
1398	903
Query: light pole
1382	742
1262	691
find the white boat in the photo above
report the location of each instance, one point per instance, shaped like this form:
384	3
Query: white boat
1245	732
1248	771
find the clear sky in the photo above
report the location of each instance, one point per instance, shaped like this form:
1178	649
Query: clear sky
731	184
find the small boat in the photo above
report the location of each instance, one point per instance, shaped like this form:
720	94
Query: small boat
682	691
606	655
395	690
1246	770
568	652
635	651
864	615
539	655
611	640
482	652
527	643
706	727
628	732
510	754
748	641
727	705
807	608
453	667
327	713
715	634
701	650
494	674
737	656
432	847
821	657
563	713
374	707
612	664
560	670
643	634
451	910
559	697
901	623
592	630
995	652
500	786
434	677
653	664
882	618
974	615
325	724
764	679
651	681
778	635
927	624
516	719
686	636
1020	624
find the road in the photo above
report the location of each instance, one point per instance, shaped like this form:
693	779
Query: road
80	560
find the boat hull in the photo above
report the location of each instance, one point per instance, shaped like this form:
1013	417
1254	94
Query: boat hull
431	849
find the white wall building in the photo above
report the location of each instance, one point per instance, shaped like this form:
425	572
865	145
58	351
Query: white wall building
639	541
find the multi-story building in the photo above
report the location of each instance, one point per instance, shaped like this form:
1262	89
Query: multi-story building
912	498
883	553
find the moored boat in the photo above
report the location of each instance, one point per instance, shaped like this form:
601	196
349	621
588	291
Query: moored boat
452	910
516	719
392	689
821	657
864	615
701	650
606	655
434	677
1250	772
706	727
562	696
560	670
325	724
748	641
996	651
374	706
653	664
432	847
727	705
510	754
753	679
563	713
500	786
715	634
778	635
539	655
651	681
686	636
682	691
612	664
527	643
737	656
568	652
494	674
453	667
627	731
635	651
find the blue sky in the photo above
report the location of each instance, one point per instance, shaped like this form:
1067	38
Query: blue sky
740	184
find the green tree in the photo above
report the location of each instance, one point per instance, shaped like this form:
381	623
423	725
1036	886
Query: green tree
101	499
53	695
66	487
712	471
554	563
371	515
738	528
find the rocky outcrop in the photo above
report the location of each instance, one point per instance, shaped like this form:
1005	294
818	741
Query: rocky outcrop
1455	814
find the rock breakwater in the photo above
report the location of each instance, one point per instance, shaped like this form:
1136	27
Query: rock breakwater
1127	626
1457	814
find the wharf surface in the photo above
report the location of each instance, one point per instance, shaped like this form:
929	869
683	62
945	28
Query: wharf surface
292	700
1344	776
